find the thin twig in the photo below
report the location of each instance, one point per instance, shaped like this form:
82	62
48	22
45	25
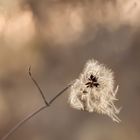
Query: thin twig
28	117
57	95
19	124
38	87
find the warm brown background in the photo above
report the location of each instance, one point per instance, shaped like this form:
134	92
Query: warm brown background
57	37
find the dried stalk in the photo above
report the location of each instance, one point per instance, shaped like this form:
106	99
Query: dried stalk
28	117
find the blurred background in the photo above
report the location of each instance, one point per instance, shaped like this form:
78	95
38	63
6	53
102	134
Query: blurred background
57	37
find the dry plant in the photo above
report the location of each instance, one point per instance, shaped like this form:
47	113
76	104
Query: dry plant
92	91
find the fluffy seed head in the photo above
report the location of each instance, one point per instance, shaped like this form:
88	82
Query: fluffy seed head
94	90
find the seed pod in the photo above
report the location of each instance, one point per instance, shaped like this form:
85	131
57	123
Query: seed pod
94	90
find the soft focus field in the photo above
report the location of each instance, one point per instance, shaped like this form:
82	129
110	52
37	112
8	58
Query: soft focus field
57	37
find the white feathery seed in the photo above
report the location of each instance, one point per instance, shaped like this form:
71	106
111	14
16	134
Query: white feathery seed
94	90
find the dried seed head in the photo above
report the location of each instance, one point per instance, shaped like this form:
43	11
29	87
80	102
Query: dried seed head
94	90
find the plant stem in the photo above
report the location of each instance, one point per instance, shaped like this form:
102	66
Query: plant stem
57	95
28	117
38	87
19	124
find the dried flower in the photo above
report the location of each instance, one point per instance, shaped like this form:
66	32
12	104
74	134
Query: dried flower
94	90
